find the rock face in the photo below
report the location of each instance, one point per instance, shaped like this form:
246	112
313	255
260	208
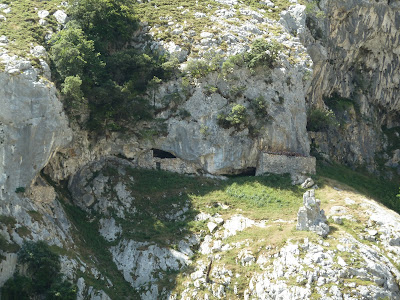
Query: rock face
200	139
357	58
140	262
328	279
32	125
310	217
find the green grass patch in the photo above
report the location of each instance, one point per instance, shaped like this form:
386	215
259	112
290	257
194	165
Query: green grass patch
380	189
7	247
22	24
35	215
8	221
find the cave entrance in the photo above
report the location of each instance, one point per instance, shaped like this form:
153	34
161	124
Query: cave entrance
250	171
162	154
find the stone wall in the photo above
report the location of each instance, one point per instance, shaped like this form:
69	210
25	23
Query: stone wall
281	164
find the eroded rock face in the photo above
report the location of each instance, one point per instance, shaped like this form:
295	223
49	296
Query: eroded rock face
32	125
310	217
201	139
355	49
140	261
326	277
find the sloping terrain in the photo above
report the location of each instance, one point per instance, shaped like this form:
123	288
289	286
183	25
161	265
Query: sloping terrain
205	89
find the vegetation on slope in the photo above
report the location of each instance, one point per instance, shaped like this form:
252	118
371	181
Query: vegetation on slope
377	188
42	278
270	198
96	68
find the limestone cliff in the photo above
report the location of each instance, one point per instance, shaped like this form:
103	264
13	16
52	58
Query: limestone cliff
355	49
157	234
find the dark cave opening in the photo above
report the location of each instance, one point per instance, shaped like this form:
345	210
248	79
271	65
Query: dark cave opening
162	154
250	171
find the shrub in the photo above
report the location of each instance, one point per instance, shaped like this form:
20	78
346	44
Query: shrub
237	90
321	120
200	68
231	63
20	189
43	279
260	107
236	118
210	62
339	103
262	52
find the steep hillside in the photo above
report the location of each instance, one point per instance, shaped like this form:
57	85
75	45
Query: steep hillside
176	150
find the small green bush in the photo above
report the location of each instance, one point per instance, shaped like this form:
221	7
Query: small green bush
237	90
199	68
339	103
320	120
20	189
260	107
231	63
262	52
236	118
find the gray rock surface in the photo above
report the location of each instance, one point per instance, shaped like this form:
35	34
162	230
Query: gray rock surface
356	58
140	262
32	125
310	217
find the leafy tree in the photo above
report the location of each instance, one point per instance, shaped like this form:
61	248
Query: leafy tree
43	278
96	68
74	55
72	88
18	287
42	264
110	23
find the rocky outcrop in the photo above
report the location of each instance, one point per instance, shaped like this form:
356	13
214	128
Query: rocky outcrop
310	217
328	279
32	124
355	49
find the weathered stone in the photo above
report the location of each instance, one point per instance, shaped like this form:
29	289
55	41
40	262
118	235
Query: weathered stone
61	16
32	126
211	226
109	229
310	217
7	267
281	164
307	183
